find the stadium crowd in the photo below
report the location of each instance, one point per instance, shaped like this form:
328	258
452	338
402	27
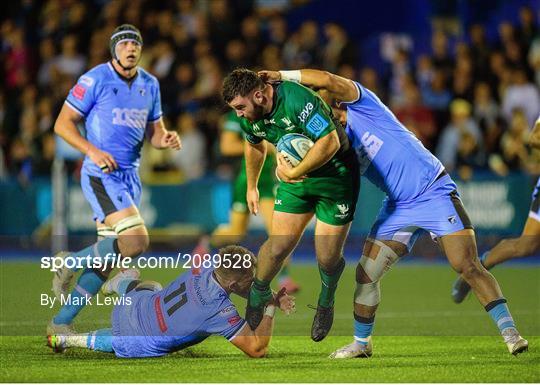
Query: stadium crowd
470	100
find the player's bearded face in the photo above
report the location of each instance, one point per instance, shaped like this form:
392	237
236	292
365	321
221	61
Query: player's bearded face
247	107
128	53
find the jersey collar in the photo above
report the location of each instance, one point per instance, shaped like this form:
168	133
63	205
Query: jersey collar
129	81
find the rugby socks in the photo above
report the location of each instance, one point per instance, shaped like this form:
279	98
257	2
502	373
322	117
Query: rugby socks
499	313
329	282
100	340
362	329
260	293
87	286
98	250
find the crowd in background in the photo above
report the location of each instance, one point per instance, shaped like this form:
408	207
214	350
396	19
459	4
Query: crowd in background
470	100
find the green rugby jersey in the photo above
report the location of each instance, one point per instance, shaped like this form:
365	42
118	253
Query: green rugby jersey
298	109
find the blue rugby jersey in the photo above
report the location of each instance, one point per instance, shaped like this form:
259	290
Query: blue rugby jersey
390	156
116	112
190	309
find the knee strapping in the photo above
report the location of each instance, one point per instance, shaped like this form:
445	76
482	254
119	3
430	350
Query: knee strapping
105	232
130	222
369	293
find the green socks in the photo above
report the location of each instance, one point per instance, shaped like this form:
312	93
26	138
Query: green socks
329	282
260	293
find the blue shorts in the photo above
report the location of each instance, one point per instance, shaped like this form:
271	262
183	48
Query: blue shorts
108	193
128	339
438	210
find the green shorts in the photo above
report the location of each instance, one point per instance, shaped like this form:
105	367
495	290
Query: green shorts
332	199
267	185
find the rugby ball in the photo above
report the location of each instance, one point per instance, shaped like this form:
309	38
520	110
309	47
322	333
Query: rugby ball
294	147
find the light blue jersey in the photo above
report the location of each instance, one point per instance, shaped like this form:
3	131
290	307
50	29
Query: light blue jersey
191	308
390	156
420	195
116	112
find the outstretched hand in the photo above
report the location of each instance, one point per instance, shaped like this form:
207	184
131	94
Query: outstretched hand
284	301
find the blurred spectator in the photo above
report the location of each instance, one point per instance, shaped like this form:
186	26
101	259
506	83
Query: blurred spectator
527	29
480	49
521	94
424	71
70	62
191	160
441	55
277	31
400	76
165	57
17	60
417	117
515	153
47	54
338	50
486	110
456	134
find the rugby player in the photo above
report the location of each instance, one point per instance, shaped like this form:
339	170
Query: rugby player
152	322
330	191
232	144
120	105
420	196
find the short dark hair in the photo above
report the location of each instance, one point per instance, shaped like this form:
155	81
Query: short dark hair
240	82
242	261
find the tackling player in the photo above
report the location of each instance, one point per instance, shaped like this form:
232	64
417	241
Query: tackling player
120	105
232	144
527	244
420	196
152	322
329	192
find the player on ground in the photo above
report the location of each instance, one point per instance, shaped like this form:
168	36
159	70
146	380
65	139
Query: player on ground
232	144
120	105
420	196
329	192
152	322
527	244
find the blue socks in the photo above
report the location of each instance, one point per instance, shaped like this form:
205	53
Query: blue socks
499	313
87	286
362	329
98	250
100	340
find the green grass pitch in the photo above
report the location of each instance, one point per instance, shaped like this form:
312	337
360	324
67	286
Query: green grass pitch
419	336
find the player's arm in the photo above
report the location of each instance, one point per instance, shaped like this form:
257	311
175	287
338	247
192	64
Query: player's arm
160	138
322	151
534	138
255	154
255	342
341	88
66	127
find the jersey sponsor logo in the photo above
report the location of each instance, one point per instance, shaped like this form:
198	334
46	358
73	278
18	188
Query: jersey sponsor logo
79	91
452	219
369	148
278	202
271	121
343	210
130	117
86	80
142	91
234	320
305	112
316	124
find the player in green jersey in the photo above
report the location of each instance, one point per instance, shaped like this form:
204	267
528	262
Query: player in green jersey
325	183
231	145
